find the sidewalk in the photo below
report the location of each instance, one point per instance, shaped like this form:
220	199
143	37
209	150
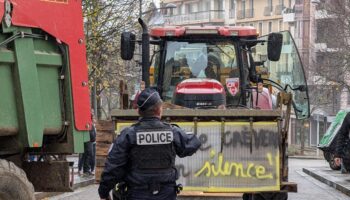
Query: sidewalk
312	157
294	151
330	177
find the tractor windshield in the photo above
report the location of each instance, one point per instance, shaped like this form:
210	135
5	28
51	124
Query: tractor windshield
201	67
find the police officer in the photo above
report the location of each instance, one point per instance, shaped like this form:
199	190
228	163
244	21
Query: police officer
143	155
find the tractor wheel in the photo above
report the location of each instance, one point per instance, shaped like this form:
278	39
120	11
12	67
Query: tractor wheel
266	196
331	162
14	183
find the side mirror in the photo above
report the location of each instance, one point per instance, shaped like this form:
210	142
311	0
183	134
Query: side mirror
274	46
127	44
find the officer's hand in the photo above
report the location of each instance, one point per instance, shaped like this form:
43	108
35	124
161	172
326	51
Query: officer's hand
337	161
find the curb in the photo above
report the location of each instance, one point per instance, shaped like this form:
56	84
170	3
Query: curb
333	184
43	195
306	157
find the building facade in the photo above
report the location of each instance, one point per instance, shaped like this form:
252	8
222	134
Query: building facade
326	97
200	12
265	15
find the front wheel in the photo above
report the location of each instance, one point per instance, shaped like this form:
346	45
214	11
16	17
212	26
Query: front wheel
332	163
14	183
266	196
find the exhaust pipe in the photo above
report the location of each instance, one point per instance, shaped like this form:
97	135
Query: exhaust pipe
145	53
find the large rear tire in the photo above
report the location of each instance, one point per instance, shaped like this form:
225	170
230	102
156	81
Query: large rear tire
14	183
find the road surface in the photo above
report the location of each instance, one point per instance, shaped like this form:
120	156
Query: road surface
308	187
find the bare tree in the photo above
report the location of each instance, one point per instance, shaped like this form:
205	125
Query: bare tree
105	20
331	65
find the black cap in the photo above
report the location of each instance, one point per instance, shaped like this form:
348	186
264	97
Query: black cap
147	98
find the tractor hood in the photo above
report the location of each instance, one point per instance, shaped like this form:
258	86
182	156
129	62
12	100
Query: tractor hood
200	86
199	93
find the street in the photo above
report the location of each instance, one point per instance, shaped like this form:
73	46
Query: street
308	187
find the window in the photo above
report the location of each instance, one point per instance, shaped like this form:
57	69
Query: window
206	6
270	27
219	5
300	25
270	5
232	9
188	8
251	4
195	7
260	28
232	4
243	8
282	3
179	10
201	60
251	10
325	31
280	25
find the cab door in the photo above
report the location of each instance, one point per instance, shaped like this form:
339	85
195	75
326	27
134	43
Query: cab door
287	73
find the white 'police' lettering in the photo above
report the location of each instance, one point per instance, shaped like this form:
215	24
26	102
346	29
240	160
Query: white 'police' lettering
154	137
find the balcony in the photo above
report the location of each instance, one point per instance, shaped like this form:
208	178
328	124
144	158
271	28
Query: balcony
288	17
241	14
249	13
268	11
232	14
279	9
196	17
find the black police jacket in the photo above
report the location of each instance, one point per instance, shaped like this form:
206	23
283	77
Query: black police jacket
342	142
122	164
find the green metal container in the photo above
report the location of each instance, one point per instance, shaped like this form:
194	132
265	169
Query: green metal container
35	93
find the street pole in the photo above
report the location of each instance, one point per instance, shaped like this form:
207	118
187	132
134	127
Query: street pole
318	135
302	138
140	49
94	98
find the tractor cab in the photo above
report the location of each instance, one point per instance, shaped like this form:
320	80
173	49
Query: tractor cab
227	67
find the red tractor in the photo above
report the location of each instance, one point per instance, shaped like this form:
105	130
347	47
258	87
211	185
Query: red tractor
235	90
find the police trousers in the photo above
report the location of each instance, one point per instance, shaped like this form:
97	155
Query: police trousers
167	192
